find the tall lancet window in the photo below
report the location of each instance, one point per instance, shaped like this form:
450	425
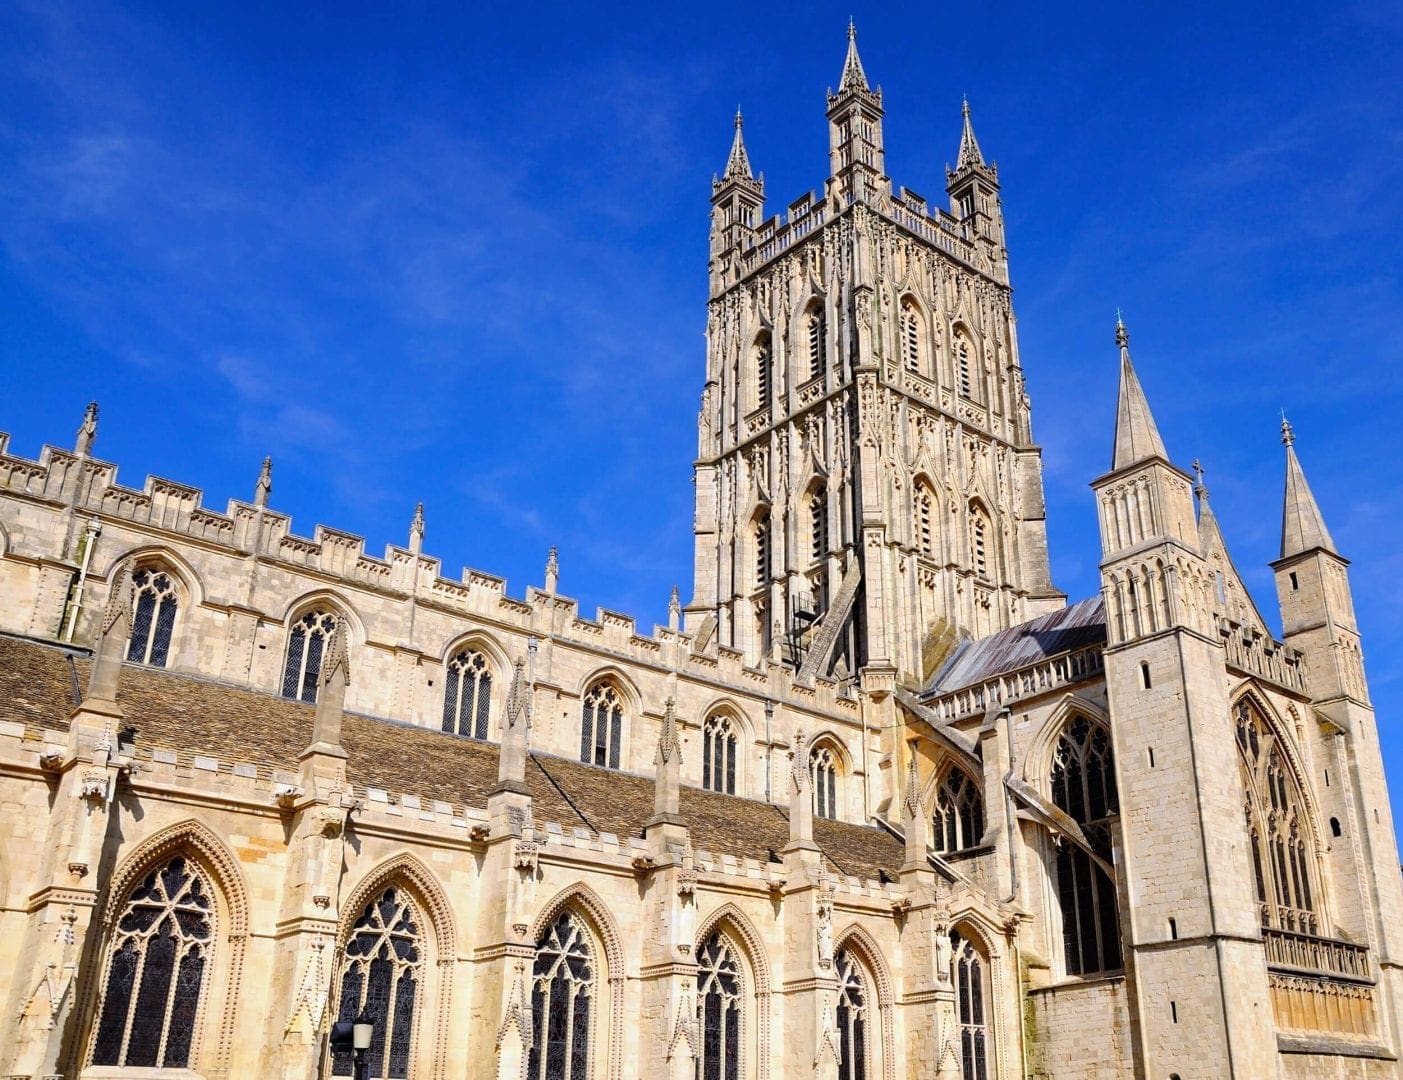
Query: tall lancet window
852	1018
979	540
1277	825
965	378
814	329
967	976
306	642
381	973
762	551
818	523
959	812
718	1009
764	364
823	774
601	727
153	617
719	754
911	333
1084	786
467	694
155	971
925	519
563	988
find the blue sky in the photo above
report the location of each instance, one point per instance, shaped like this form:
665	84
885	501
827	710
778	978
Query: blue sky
420	252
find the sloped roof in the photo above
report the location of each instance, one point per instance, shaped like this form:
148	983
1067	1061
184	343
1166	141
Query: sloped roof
39	688
1074	627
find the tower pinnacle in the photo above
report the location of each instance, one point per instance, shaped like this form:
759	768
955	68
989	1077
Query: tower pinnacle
970	154
1302	526
854	78
1137	437
738	164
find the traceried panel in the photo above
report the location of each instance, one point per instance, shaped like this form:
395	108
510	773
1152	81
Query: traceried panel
381	972
719	754
153	617
467	694
852	1017
563	989
719	1009
601	726
959	812
155	970
306	642
1084	786
968	976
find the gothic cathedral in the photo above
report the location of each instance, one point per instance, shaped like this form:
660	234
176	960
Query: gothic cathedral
876	803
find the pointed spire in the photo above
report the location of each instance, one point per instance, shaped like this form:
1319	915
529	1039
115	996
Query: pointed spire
1302	526
516	696
1137	437
970	154
264	485
854	78
738	164
87	431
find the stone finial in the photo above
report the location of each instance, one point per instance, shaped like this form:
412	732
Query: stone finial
333	680
517	704
738	162
552	570
668	769
674	610
264	486
853	78
917	824
87	431
416	530
113	638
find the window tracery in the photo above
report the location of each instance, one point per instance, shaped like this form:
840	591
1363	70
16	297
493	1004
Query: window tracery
852	1017
959	812
968	977
306	642
1277	825
1084	787
823	777
155	970
601	727
719	754
467	694
718	1009
381	973
563	990
153	616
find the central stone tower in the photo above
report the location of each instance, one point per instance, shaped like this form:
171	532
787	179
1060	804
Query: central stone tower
867	485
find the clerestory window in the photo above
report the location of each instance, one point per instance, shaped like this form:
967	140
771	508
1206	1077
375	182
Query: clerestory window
959	812
153	616
823	776
467	694
719	754
601	727
306	642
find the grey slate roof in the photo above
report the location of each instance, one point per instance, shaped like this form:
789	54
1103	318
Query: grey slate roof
1074	627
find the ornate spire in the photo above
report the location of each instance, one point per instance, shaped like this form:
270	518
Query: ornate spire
264	485
1302	526
516	696
970	154
87	431
667	738
854	78
1137	437
738	164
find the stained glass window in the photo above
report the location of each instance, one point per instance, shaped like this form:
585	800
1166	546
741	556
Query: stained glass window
305	644
156	964
823	773
381	972
959	812
601	727
1084	786
153	617
563	988
467	694
852	1018
719	754
718	1009
1277	826
967	976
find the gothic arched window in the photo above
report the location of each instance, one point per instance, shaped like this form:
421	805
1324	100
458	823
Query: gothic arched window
718	1009
911	333
979	540
153	616
1084	787
467	694
959	812
306	642
1277	825
965	378
852	1018
925	519
719	754
814	330
763	370
155	971
818	523
823	774
762	551
381	972
601	727
967	976
563	987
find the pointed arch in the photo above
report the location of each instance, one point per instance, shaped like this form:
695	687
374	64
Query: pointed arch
407	868
811	340
855	936
729	916
201	841
610	705
587	902
954	800
1037	760
925	514
913	334
762	368
966	364
170	560
476	674
327	598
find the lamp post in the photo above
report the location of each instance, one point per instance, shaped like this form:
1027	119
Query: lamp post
362	1032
